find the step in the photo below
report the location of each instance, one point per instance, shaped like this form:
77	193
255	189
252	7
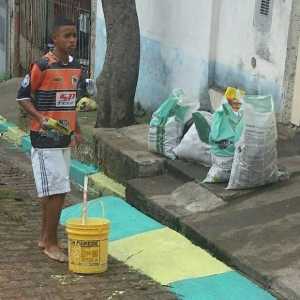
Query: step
168	199
124	155
243	233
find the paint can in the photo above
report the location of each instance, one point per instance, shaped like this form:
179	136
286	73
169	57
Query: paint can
88	245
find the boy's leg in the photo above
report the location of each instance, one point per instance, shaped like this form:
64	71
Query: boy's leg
51	173
53	207
41	242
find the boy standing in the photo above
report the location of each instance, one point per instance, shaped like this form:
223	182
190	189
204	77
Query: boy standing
49	92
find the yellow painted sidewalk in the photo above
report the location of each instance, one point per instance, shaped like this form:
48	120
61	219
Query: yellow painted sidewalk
166	256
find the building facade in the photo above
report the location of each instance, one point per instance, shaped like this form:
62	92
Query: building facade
197	45
29	29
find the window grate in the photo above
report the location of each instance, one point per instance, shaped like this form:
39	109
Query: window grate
263	15
265	7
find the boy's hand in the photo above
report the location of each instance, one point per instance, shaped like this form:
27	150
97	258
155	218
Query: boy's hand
43	122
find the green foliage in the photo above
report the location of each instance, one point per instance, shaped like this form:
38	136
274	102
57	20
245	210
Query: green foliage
4	77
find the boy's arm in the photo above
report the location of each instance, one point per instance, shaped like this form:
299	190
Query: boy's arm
30	109
29	85
77	137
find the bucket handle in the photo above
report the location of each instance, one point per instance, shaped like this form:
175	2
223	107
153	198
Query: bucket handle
85	202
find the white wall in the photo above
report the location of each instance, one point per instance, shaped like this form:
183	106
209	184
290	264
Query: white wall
190	44
177	23
238	41
174	48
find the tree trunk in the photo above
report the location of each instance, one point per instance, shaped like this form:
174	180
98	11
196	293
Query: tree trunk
118	79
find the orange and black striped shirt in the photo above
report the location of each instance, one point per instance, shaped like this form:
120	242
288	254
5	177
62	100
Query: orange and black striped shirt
53	88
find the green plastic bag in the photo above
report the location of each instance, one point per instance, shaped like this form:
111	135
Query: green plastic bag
202	126
166	126
225	131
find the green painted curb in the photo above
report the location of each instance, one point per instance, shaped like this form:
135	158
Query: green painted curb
79	170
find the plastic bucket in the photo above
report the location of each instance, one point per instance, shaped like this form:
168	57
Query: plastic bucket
88	245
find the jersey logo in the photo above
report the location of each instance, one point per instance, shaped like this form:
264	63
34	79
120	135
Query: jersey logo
58	79
65	99
25	82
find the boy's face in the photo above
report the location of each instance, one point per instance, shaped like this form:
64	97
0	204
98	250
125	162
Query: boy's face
65	38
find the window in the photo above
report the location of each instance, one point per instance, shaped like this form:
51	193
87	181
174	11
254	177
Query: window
265	7
263	15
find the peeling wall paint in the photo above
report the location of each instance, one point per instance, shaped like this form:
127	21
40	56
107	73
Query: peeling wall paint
174	50
203	43
239	41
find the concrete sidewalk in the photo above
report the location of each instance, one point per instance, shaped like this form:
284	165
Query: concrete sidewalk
255	231
252	230
25	273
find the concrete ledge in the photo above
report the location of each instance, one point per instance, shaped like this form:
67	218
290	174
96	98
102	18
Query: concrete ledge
170	204
152	196
291	164
106	186
11	132
26	143
194	172
79	170
123	157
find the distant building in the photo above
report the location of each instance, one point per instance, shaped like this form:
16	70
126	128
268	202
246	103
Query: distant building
30	29
202	44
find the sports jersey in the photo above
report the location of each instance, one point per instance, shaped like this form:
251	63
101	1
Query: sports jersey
53	88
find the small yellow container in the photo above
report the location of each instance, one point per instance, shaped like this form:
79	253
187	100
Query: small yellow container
88	245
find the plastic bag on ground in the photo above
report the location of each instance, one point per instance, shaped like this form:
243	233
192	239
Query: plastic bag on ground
225	131
220	170
203	120
192	147
86	104
255	157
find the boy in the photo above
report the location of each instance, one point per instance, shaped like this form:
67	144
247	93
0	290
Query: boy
49	92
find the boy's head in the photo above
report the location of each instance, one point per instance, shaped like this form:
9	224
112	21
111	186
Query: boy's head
64	35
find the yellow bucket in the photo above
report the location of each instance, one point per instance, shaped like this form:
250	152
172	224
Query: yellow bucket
88	245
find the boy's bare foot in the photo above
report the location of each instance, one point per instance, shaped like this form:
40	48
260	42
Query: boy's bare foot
42	244
55	253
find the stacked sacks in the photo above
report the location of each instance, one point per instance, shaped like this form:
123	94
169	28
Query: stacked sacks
167	124
238	141
194	145
255	157
225	131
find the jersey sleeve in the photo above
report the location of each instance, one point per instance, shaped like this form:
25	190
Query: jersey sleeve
30	83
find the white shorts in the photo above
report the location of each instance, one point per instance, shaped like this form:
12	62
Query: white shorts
51	169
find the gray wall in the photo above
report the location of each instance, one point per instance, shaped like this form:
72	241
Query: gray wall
3	36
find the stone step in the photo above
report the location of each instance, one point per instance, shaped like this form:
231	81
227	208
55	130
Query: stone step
168	199
124	155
